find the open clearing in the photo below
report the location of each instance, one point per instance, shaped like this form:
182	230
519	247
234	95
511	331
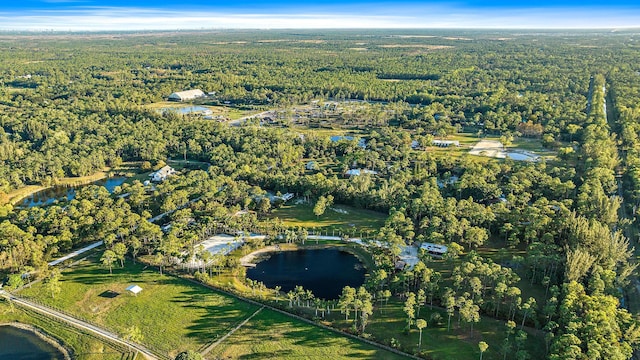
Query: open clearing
495	149
490	148
176	315
221	244
271	335
172	314
440	344
346	219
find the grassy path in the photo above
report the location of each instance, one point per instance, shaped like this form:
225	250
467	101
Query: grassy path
389	352
217	342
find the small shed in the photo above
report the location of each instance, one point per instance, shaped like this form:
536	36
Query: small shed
358	172
134	289
312	165
445	143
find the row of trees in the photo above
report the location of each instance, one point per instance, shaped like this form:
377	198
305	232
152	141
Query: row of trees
85	106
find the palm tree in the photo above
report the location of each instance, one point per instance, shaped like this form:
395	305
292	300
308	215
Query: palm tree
277	289
421	324
483	347
291	295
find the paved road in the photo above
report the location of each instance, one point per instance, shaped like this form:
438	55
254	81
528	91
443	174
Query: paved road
79	324
158	217
98	243
237	122
76	253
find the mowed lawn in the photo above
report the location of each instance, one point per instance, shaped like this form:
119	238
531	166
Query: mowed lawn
388	321
172	314
271	335
346	219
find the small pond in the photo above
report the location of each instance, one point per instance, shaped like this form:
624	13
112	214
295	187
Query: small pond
521	156
50	195
323	271
189	110
18	344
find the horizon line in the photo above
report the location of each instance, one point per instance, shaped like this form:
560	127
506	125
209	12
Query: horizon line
204	29
428	17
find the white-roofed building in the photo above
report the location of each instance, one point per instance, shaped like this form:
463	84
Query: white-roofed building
162	174
186	95
358	172
434	249
134	289
445	143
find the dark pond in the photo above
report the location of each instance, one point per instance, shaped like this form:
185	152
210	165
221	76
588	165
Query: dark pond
49	196
18	344
323	271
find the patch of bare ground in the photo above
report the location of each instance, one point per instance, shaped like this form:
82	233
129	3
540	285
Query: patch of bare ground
416	46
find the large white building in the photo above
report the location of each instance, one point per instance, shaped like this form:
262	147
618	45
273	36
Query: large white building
434	249
162	174
186	95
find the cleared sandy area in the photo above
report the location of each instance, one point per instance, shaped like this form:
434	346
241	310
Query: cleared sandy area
221	244
247	260
494	149
490	148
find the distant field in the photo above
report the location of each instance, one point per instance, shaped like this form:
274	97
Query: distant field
346	220
271	335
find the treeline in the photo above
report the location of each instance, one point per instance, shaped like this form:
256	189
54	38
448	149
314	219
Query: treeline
81	101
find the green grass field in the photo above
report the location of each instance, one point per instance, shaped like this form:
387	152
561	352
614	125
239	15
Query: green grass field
175	315
271	335
172	314
331	220
83	346
388	321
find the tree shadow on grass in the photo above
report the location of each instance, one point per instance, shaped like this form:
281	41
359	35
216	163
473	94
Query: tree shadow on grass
271	336
220	313
277	354
98	275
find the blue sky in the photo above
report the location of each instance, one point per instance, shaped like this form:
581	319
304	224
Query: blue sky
198	14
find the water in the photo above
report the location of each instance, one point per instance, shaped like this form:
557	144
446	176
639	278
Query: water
189	110
520	156
323	271
18	344
50	195
361	142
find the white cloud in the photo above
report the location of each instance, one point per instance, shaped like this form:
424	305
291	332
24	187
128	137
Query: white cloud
99	19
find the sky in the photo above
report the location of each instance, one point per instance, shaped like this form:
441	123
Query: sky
100	15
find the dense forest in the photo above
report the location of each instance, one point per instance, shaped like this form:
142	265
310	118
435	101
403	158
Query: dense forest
73	104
